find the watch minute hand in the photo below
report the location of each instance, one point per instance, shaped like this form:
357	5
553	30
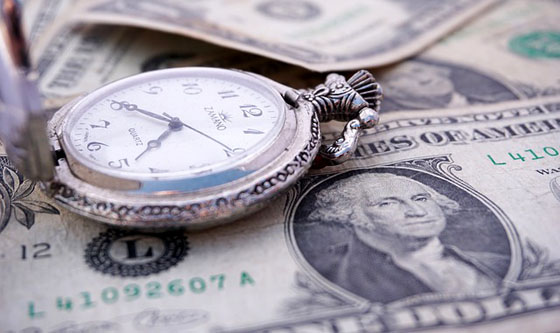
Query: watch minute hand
197	131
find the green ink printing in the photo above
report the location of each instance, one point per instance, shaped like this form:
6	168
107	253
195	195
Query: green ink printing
538	44
527	155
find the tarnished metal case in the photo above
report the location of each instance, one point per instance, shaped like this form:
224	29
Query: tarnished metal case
126	203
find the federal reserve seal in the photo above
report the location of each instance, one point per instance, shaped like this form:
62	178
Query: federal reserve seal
129	253
538	44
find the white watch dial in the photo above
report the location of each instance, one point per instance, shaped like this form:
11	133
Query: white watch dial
174	123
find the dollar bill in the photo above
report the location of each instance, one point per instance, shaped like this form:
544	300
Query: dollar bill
39	15
510	53
318	35
439	221
479	64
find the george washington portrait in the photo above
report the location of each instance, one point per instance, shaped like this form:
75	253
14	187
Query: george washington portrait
422	84
384	237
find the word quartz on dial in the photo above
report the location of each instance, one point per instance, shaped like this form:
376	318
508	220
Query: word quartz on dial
187	147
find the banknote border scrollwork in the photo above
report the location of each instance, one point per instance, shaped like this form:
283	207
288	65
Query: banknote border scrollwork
14	197
537	264
312	296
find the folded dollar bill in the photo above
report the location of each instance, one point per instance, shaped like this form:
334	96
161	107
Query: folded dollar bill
499	57
318	35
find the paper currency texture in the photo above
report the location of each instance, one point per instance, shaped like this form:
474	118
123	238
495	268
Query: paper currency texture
506	54
446	218
438	221
318	35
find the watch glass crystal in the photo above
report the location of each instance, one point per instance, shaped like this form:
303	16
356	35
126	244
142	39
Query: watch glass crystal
174	123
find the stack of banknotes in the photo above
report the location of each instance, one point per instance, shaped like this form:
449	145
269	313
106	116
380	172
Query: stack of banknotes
470	119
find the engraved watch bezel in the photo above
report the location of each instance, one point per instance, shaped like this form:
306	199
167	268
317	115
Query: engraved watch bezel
277	167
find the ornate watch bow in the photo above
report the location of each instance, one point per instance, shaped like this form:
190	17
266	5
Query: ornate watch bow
356	101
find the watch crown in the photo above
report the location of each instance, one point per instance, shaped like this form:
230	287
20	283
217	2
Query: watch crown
356	100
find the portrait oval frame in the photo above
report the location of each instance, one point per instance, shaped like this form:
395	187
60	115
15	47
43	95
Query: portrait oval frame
440	169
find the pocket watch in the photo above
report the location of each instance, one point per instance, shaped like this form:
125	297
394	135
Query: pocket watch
183	147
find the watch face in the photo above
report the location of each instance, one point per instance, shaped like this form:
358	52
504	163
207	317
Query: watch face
174	123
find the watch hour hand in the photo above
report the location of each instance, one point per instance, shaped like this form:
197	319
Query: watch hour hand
154	144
